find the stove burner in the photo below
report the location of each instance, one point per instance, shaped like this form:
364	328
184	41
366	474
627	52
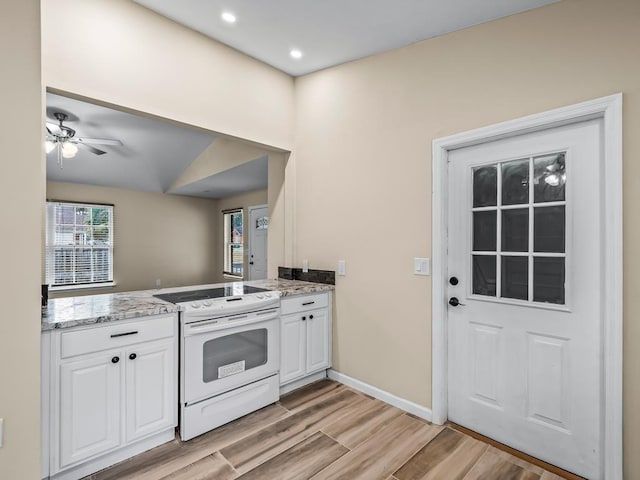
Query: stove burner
195	295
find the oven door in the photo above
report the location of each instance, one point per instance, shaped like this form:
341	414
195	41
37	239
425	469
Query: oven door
225	353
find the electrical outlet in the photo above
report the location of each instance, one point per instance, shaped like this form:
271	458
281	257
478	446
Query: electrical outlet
305	266
158	282
342	268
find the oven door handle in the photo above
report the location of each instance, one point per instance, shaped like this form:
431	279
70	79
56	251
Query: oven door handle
224	324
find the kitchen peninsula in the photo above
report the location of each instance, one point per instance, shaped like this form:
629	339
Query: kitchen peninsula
110	383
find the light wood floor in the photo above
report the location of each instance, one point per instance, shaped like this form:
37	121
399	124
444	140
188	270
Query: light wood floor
327	431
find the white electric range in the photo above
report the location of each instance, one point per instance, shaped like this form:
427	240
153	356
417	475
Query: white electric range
230	354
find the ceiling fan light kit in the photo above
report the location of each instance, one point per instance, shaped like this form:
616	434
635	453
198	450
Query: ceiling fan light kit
64	138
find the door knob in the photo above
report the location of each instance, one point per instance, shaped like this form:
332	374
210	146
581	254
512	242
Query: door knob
453	280
454	302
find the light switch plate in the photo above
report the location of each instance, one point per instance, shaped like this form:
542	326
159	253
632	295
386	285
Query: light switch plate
342	268
421	266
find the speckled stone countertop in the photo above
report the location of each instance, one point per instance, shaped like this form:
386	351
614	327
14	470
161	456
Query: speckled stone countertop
92	309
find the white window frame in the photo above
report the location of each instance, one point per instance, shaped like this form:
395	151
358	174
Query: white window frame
228	243
51	244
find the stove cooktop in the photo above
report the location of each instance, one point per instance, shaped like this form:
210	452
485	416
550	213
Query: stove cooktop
219	292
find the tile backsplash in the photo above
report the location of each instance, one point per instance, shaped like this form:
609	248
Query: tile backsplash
317	276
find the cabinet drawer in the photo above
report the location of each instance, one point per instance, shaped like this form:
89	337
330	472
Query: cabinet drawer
302	303
118	334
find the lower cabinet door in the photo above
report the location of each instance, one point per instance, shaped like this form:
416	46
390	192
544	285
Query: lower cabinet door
292	348
317	340
90	393
151	389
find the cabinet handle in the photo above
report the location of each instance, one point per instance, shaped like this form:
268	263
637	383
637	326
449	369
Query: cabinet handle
132	356
308	303
304	318
115	359
115	335
310	317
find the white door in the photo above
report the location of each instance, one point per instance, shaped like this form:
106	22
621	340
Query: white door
90	390
258	230
151	389
525	265
292	355
317	340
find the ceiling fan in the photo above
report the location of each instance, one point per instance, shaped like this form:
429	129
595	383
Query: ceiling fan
64	138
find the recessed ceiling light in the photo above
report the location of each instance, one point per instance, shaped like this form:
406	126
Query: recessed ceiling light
295	53
228	17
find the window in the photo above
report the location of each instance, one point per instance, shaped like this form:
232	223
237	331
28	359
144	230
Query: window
519	229
233	242
79	244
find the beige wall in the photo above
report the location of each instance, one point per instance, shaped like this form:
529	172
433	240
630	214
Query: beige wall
244	201
121	53
21	197
363	170
157	236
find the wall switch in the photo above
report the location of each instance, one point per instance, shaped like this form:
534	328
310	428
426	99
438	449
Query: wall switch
1	431
305	266
342	268
421	266
158	282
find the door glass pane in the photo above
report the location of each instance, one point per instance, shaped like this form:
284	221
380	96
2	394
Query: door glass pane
484	275
548	228
550	178
515	230
484	231
548	280
515	182
237	352
485	186
515	276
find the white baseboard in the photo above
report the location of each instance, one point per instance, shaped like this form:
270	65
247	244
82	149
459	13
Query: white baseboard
124	453
302	382
390	398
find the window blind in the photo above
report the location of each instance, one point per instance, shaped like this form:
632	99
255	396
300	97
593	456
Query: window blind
78	243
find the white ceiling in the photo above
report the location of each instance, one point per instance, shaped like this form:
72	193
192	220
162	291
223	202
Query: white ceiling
331	32
154	153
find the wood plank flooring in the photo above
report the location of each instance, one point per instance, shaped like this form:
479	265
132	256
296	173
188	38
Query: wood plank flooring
326	431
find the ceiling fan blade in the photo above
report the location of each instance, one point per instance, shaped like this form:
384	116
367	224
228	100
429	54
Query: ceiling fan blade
52	128
97	141
91	149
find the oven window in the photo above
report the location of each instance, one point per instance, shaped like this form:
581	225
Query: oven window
234	354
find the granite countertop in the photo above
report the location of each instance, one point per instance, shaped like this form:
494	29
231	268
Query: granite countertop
91	309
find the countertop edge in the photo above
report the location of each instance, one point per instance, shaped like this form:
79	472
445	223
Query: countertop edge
287	288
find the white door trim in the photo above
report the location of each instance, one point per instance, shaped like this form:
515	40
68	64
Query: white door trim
610	110
249	209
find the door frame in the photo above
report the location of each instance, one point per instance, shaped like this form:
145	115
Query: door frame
249	209
609	109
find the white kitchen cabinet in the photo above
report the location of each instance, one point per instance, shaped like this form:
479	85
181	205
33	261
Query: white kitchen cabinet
113	393
90	392
306	336
293	345
150	389
318	332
